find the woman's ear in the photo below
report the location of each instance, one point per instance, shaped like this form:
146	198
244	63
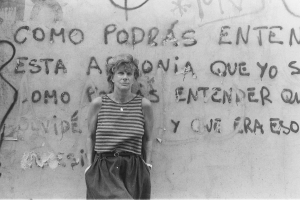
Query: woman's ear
112	78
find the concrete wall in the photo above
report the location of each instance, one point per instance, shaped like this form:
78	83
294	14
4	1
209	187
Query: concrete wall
223	76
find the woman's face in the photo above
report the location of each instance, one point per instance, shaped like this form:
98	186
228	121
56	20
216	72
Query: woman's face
123	78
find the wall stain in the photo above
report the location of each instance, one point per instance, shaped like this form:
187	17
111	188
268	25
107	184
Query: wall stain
52	4
13	6
181	8
201	12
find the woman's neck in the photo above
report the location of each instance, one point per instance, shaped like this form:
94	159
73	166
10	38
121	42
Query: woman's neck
122	96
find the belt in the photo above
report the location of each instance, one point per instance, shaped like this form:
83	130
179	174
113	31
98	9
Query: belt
115	154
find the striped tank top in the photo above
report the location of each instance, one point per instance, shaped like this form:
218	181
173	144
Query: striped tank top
120	127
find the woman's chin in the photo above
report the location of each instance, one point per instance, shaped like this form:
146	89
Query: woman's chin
125	88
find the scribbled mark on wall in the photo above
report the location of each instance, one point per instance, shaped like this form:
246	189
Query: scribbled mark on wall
49	159
45	159
176	124
170	37
53	124
15	97
187	69
125	6
12	8
52	4
201	12
122	36
180	7
2	136
292	7
241	8
81	158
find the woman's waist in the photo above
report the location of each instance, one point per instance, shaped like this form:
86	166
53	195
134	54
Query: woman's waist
116	153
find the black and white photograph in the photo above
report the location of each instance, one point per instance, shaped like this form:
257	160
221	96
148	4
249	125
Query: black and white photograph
149	99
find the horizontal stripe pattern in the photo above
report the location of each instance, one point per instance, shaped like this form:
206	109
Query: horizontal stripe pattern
120	126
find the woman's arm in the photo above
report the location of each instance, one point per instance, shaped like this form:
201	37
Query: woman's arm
92	125
148	136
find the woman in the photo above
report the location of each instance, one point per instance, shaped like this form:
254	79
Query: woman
119	133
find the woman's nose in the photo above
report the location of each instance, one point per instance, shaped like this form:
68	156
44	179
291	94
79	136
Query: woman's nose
125	77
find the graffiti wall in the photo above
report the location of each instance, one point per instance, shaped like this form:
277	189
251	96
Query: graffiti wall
222	76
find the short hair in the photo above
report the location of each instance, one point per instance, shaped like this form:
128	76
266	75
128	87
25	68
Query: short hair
113	64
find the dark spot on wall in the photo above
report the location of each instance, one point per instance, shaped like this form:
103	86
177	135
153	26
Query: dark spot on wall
81	161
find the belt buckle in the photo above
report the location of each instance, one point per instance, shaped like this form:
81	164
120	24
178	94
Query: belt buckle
116	154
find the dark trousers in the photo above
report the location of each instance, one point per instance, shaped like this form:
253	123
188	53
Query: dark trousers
125	177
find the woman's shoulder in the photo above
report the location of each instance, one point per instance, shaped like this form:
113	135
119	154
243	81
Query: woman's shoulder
95	106
146	103
97	102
